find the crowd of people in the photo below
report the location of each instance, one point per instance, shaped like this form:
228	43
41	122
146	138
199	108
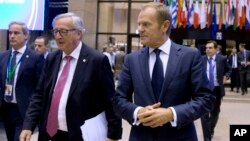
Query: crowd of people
161	89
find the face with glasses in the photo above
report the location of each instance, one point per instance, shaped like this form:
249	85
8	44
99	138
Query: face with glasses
67	37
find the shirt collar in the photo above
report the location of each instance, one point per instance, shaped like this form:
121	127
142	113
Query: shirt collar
214	56
164	47
20	50
75	53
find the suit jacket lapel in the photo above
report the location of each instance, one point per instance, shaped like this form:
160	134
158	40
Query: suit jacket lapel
55	71
5	65
80	68
173	62
144	67
24	59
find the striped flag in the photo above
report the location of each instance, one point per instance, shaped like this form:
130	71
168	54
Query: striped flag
203	15
174	13
190	13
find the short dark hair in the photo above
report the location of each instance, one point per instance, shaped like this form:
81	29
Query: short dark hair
213	42
46	41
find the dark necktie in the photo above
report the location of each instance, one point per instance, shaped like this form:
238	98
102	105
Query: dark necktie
157	75
211	73
11	75
52	124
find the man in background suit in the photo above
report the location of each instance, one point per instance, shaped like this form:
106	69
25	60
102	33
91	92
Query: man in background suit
20	71
76	85
218	66
235	76
42	45
244	62
162	88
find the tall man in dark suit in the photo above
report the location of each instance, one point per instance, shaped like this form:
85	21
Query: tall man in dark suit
216	68
162	88
76	86
235	76
20	71
244	62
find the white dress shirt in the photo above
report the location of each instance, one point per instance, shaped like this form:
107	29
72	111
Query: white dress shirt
62	123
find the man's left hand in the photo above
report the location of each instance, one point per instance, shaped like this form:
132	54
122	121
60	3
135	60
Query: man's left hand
156	117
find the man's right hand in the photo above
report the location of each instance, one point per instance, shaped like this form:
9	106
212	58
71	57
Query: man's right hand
25	135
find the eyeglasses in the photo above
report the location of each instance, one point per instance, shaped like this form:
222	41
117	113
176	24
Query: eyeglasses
62	32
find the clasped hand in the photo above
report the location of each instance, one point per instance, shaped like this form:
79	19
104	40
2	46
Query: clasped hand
154	115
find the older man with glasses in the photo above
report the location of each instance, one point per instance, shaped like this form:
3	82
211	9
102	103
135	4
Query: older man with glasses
76	88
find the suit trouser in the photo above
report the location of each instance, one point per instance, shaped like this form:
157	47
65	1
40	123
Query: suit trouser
13	121
209	120
235	79
216	110
243	80
206	127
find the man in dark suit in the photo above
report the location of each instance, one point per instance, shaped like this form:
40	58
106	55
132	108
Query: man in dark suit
86	94
216	67
162	88
20	71
244	62
235	76
42	45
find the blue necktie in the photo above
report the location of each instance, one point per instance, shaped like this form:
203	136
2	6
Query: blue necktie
211	73
157	75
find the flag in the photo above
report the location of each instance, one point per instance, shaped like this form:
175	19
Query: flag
174	13
214	22
235	13
203	15
190	13
184	14
247	23
209	13
196	15
242	14
179	12
221	16
228	17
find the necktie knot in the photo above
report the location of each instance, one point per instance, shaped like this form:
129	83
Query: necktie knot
210	60
15	52
68	58
157	52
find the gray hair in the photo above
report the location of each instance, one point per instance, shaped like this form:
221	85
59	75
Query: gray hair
163	13
77	21
23	25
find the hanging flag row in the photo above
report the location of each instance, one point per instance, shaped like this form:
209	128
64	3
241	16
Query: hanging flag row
188	13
